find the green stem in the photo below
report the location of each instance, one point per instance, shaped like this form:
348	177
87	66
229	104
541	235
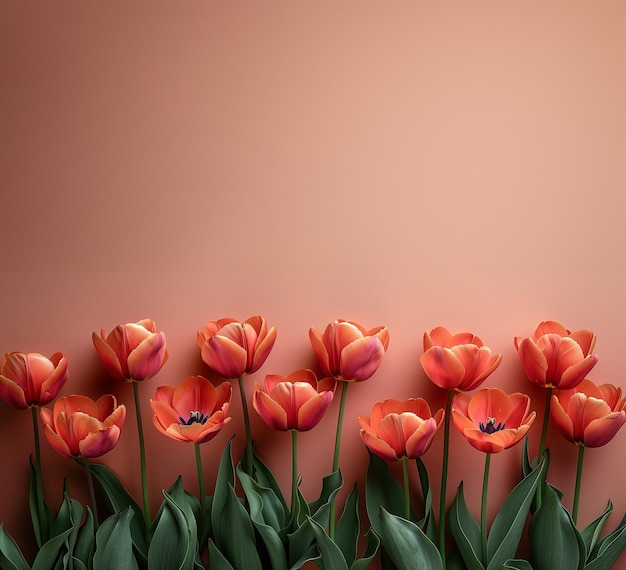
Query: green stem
483	510
200	476
294	470
444	478
92	494
405	479
142	458
342	409
246	420
546	419
38	480
579	476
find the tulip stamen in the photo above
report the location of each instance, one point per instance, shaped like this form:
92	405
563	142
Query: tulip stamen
195	417
490	426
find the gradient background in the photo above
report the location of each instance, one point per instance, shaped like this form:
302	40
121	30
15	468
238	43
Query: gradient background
411	164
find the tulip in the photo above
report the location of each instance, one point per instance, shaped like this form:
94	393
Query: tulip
297	402
79	427
457	362
589	416
555	357
348	352
195	411
30	379
132	352
492	420
398	431
234	349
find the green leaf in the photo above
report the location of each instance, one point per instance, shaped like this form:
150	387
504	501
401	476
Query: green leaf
234	533
517	565
114	543
174	542
225	480
608	549
331	484
11	557
407	545
331	557
508	525
591	533
119	500
373	543
381	490
86	539
465	531
348	527
50	552
553	536
41	525
265	478
217	561
263	506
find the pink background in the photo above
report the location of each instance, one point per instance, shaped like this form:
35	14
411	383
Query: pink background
411	164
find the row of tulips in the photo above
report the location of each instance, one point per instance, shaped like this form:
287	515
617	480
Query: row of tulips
260	528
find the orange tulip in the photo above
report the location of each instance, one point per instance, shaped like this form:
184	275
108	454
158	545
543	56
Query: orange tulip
133	352
234	349
348	352
555	357
492	420
457	362
297	402
79	427
589	415
398	429
195	411
30	379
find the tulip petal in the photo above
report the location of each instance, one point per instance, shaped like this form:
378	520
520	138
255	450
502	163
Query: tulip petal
109	358
533	361
379	447
225	357
99	442
148	357
312	411
573	375
12	394
271	412
320	352
602	430
361	358
443	367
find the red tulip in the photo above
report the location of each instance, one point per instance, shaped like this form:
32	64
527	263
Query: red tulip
133	352
555	357
297	402
398	429
79	427
195	411
348	352
589	415
492	420
30	379
234	349
457	362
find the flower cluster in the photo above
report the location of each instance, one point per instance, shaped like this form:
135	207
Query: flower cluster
258	528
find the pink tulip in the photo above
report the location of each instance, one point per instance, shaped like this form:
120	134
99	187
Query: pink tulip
233	349
132	352
492	420
195	411
79	427
555	357
297	402
348	352
589	415
30	379
398	429
457	362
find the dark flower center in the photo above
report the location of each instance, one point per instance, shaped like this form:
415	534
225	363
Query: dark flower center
194	418
490	426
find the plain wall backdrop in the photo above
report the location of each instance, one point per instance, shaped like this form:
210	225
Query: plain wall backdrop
408	164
